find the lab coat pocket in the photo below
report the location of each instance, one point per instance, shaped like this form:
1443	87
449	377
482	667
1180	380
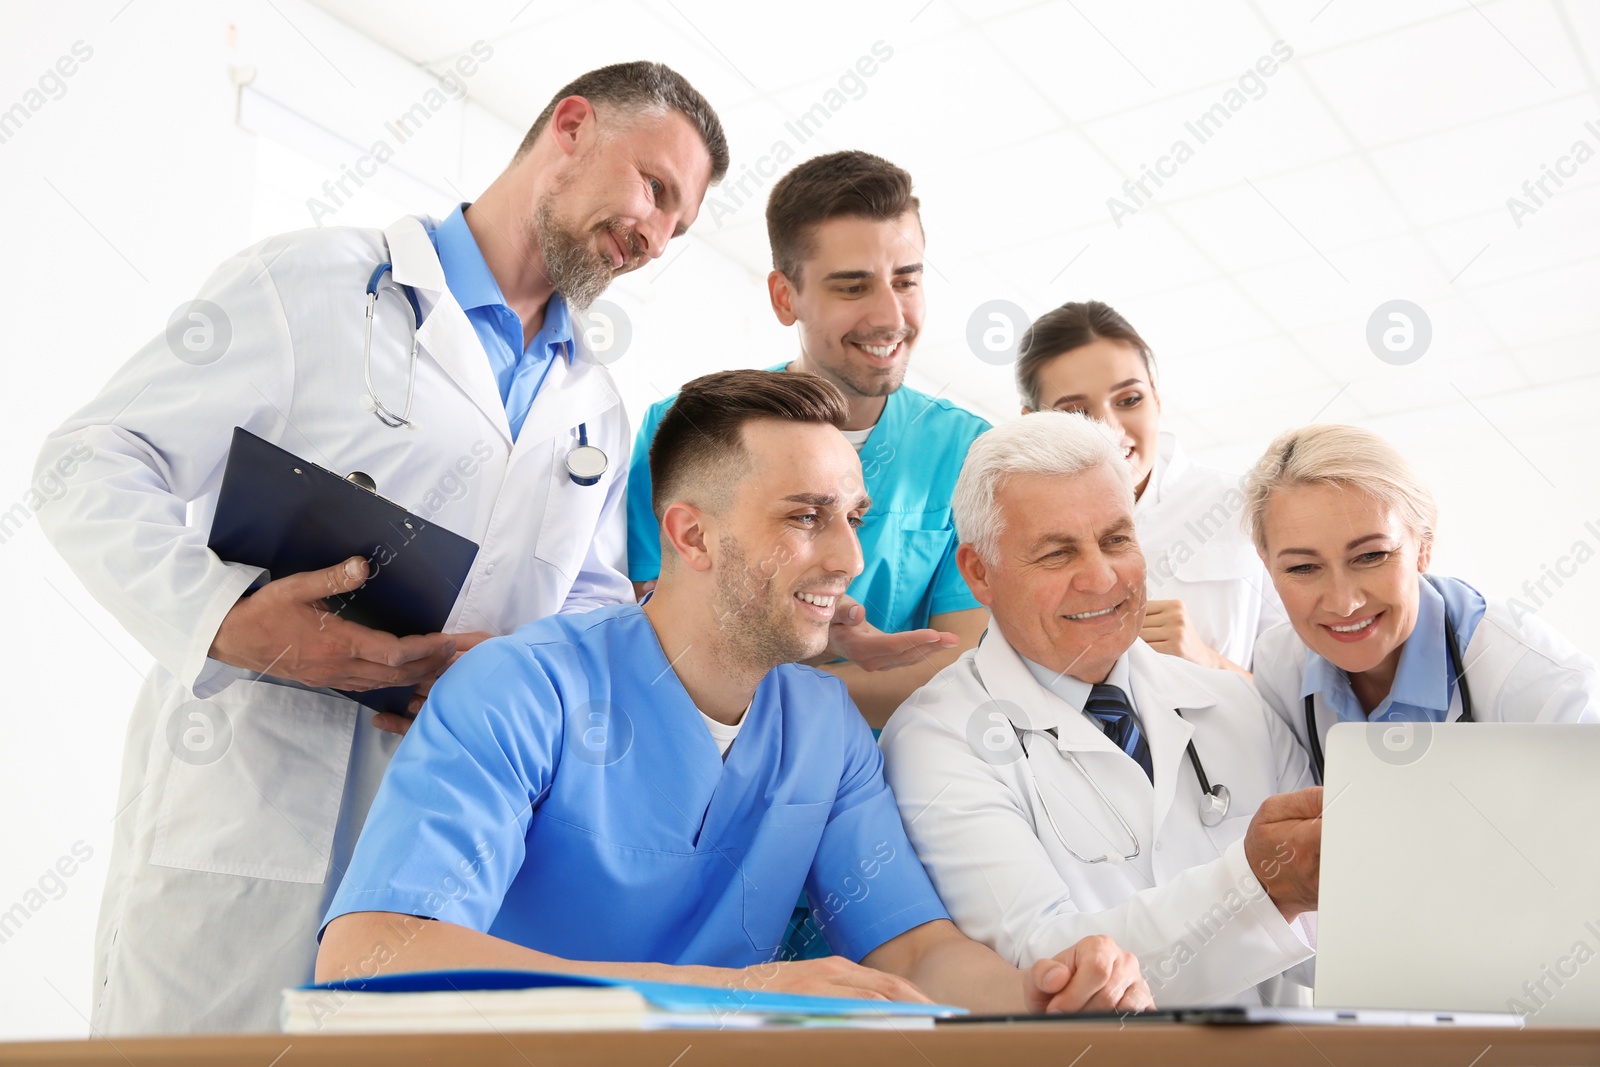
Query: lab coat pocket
775	866
1228	831
254	782
571	512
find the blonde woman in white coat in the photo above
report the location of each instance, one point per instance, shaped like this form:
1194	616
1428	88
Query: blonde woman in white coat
1346	530
1209	597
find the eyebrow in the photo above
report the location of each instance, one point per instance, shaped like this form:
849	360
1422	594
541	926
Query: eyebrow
675	197
1120	526
825	500
1357	543
1114	388
861	275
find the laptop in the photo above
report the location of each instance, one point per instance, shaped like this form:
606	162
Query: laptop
1461	870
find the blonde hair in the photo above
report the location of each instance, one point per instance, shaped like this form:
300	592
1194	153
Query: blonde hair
1346	457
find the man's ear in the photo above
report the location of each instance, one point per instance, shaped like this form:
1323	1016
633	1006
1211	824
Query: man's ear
685	529
976	572
782	292
571	121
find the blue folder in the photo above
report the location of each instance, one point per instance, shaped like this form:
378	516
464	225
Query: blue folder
287	515
664	996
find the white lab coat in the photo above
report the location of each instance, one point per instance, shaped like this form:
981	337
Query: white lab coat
220	871
1196	551
1518	668
1188	905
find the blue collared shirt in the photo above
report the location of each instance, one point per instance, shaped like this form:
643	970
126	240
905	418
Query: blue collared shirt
1076	691
1423	682
518	370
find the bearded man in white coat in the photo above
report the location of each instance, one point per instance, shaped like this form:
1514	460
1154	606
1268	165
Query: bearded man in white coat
1065	779
245	777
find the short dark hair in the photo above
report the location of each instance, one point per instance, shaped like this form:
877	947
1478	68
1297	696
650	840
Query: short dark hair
843	184
699	446
1070	326
641	87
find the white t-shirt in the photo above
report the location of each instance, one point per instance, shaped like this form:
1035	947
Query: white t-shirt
857	438
722	733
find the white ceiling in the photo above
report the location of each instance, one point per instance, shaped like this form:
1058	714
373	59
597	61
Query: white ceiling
1376	165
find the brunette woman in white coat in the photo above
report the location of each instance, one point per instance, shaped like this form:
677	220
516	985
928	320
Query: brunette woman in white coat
1346	529
1209	598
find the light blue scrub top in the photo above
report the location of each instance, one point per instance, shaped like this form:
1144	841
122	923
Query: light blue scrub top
560	790
519	371
908	538
1423	681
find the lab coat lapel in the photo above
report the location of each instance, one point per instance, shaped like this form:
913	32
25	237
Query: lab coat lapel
446	335
577	391
1159	694
1030	705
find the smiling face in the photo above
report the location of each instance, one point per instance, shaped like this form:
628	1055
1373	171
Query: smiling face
625	189
1108	381
1347	570
787	545
859	303
1067	584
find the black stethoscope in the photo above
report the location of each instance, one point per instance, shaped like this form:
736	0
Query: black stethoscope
1452	647
586	463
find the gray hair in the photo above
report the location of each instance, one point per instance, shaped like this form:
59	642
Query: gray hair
1046	442
640	89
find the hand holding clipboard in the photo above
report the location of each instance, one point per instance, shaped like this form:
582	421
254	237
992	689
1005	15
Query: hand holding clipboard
336	622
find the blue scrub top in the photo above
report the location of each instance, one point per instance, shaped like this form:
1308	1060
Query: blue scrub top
519	370
908	537
560	790
1423	681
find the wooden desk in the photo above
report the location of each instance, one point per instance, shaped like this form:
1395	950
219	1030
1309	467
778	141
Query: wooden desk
1101	1045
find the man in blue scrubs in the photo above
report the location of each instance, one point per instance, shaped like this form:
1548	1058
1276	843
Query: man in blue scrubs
642	791
846	235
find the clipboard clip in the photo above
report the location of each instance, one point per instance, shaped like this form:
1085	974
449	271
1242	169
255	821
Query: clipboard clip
364	480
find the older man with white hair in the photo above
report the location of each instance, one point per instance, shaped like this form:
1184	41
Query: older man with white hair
1065	779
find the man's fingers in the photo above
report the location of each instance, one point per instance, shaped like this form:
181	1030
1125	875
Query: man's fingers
311	586
1301	804
393	724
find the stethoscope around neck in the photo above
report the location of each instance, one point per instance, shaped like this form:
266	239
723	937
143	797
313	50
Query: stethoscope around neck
586	463
1215	800
1452	647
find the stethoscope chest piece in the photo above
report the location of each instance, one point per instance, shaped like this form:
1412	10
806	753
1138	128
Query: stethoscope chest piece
586	464
1214	806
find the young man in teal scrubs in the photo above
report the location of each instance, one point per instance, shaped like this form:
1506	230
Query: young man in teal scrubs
846	235
641	791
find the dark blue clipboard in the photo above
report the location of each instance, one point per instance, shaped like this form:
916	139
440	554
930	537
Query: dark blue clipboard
282	513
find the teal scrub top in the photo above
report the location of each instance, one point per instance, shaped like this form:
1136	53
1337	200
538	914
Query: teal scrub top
560	790
908	538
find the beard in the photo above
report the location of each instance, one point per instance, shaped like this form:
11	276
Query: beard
577	271
758	627
858	380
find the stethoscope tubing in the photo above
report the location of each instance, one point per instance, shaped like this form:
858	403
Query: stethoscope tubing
586	463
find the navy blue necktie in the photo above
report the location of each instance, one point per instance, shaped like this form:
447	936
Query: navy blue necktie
1109	706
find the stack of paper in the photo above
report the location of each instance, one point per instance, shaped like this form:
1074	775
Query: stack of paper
533	1000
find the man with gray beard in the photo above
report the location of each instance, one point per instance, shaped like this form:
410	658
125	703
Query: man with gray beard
246	774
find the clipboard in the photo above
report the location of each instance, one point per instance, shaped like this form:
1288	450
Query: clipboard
282	513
